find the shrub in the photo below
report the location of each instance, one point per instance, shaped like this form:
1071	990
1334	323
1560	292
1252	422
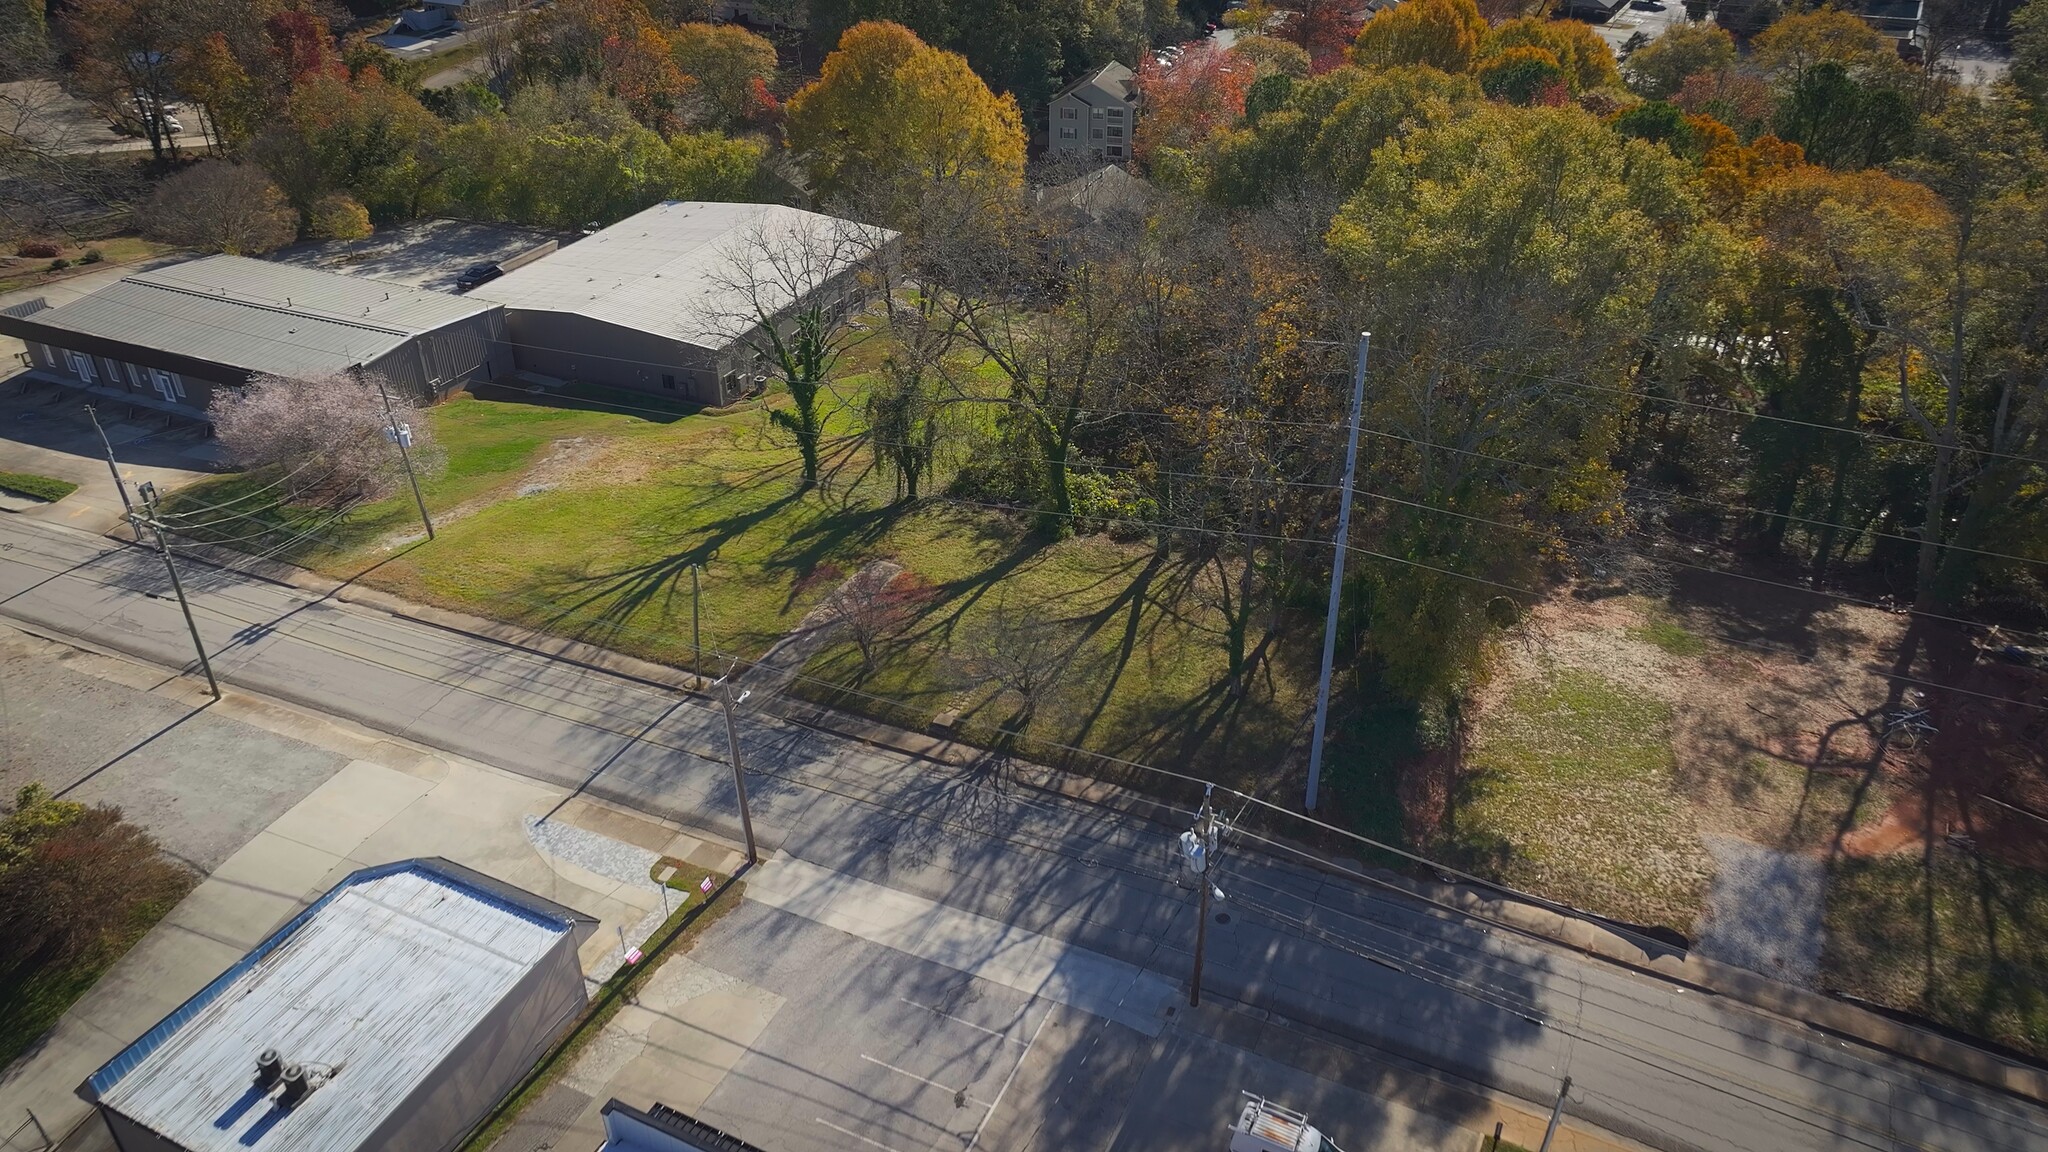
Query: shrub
37	249
59	264
92	256
82	881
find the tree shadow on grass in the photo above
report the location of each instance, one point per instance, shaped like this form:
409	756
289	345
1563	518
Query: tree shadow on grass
618	594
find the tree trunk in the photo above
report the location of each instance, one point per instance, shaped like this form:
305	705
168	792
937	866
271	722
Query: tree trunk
1845	448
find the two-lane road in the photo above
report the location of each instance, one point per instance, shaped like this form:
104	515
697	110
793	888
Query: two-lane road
1671	1067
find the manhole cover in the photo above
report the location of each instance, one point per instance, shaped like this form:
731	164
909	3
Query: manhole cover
1223	917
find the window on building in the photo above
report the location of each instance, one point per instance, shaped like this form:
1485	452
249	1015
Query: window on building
135	376
167	384
1069	113
1095	133
1069	134
1116	113
1096	112
1115	150
113	370
82	365
49	361
1116	131
668	381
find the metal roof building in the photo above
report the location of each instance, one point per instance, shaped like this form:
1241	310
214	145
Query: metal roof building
656	302
400	1007
166	337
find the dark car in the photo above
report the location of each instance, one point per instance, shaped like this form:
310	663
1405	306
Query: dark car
477	274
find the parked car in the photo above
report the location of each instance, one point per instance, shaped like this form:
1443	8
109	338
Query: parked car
477	274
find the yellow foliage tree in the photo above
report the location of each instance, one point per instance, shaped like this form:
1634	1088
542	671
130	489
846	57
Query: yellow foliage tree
1444	34
889	114
1585	58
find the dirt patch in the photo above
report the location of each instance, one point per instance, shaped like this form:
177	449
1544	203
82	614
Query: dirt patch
570	461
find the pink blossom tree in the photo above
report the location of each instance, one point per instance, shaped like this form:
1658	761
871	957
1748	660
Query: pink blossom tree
329	433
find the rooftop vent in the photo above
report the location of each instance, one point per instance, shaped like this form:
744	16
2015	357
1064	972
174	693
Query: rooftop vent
269	1065
295	1086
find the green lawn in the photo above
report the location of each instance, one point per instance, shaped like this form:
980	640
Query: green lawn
1964	942
602	552
1569	792
36	487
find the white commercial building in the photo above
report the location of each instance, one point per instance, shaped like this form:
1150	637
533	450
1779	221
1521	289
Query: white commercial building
389	1016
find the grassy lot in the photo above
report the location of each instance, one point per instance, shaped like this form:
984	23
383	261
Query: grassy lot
36	487
1964	941
586	522
114	250
1569	791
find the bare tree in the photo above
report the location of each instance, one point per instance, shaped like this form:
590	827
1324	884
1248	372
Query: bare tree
329	432
494	28
792	280
1022	649
218	206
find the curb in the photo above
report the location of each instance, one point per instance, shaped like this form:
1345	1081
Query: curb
1826	1014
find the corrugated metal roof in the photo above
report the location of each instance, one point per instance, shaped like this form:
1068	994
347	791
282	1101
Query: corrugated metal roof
372	988
666	270
260	316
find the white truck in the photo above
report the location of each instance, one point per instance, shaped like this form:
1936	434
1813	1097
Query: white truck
1267	1127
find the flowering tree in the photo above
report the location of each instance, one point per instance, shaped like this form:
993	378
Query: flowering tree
328	431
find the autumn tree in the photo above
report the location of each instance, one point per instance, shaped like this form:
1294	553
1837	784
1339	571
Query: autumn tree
364	137
614	43
327	433
1187	102
1269	55
218	206
1657	70
1584	60
892	114
1444	34
1502	258
726	63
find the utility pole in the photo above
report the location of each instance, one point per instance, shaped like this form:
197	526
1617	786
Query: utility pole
1315	747
696	647
732	741
163	544
127	505
1556	1112
401	435
1198	847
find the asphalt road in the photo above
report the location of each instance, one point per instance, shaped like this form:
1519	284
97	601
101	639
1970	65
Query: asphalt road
1673	1068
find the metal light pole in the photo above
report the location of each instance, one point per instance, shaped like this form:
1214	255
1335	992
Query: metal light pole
1198	846
401	435
739	775
149	500
1315	748
1556	1111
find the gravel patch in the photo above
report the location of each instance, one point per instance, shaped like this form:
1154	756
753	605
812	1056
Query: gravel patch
629	864
1765	910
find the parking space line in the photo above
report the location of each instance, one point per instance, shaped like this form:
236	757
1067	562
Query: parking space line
959	1092
955	1019
855	1135
990	1114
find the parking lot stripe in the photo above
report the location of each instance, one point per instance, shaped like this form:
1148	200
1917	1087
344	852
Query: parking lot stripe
855	1135
1005	1036
959	1092
990	1114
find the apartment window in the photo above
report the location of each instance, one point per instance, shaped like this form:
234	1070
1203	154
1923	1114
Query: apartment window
1115	150
1095	133
1116	113
1096	112
1116	131
1069	134
1068	113
668	381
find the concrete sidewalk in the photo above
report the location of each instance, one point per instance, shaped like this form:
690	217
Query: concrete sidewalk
389	802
